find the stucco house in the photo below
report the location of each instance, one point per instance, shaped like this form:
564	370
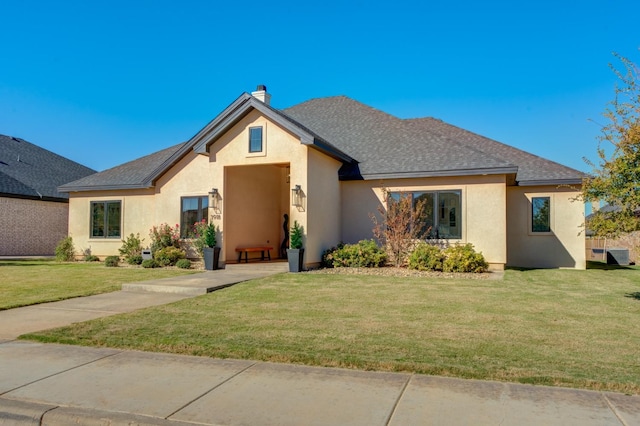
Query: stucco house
325	163
34	216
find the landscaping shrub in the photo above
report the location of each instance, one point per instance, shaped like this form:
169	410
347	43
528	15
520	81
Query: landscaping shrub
426	257
463	258
88	257
131	249
65	251
168	256
365	254
164	236
327	256
150	263
112	261
183	264
134	260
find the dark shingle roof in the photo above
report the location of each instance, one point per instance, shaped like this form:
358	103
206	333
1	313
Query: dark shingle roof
134	174
28	171
387	146
531	168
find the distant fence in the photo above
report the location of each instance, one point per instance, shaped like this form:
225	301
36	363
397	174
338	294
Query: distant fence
596	248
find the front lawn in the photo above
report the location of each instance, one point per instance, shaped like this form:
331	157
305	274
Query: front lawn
28	282
550	327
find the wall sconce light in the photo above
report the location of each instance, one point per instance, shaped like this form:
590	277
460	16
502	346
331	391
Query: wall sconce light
215	199
296	196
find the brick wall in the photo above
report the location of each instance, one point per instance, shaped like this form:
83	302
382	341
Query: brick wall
30	227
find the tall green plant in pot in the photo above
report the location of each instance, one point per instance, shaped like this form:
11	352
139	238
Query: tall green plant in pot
205	243
295	254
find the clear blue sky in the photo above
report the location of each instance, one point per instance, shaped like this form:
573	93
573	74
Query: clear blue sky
105	82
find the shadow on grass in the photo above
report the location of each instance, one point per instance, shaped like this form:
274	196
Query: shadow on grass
606	267
634	295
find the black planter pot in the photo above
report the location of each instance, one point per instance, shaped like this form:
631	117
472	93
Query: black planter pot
211	257
295	257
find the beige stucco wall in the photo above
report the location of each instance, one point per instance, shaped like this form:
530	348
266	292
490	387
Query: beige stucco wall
563	247
253	203
31	227
323	205
141	208
483	209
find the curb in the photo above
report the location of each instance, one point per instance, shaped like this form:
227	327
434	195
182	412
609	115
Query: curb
21	413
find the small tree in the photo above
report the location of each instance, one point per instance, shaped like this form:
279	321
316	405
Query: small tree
65	251
296	235
616	179
400	225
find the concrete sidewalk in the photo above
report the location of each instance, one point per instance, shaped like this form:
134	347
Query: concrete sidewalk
61	385
15	322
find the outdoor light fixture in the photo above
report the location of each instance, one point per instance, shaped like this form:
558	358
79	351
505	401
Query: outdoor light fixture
296	196
215	199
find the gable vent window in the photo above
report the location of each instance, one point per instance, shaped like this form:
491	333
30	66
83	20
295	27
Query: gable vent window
255	139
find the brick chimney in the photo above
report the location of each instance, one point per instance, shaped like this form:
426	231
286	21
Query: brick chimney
261	94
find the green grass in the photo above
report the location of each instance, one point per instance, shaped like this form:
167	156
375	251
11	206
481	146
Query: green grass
552	327
29	282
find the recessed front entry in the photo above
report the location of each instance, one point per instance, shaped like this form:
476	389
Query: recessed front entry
256	199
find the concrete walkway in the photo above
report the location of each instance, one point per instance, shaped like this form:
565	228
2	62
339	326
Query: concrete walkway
47	384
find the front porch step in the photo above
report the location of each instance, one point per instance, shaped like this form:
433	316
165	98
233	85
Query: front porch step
208	281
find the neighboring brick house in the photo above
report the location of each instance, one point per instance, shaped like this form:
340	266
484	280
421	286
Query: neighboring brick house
34	216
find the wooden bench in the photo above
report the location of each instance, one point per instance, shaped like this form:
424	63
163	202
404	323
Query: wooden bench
253	249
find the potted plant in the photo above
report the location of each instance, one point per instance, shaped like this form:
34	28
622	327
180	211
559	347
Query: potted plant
295	254
205	243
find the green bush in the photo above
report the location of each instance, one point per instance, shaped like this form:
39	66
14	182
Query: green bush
163	236
150	263
296	236
183	264
168	256
65	251
134	260
112	261
365	254
426	257
131	248
91	258
327	255
463	258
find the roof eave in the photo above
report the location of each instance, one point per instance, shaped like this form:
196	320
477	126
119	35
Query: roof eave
86	188
440	173
543	182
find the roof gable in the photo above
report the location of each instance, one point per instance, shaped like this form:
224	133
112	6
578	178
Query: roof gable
28	171
241	107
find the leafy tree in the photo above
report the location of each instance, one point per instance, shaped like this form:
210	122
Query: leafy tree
401	226
616	179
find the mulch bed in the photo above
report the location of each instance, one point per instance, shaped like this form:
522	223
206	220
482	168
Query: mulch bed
391	271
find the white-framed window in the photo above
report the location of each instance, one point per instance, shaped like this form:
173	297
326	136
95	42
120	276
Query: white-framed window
105	219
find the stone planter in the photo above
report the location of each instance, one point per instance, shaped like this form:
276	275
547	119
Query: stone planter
211	257
295	258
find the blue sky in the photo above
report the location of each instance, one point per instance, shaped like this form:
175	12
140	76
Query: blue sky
103	82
